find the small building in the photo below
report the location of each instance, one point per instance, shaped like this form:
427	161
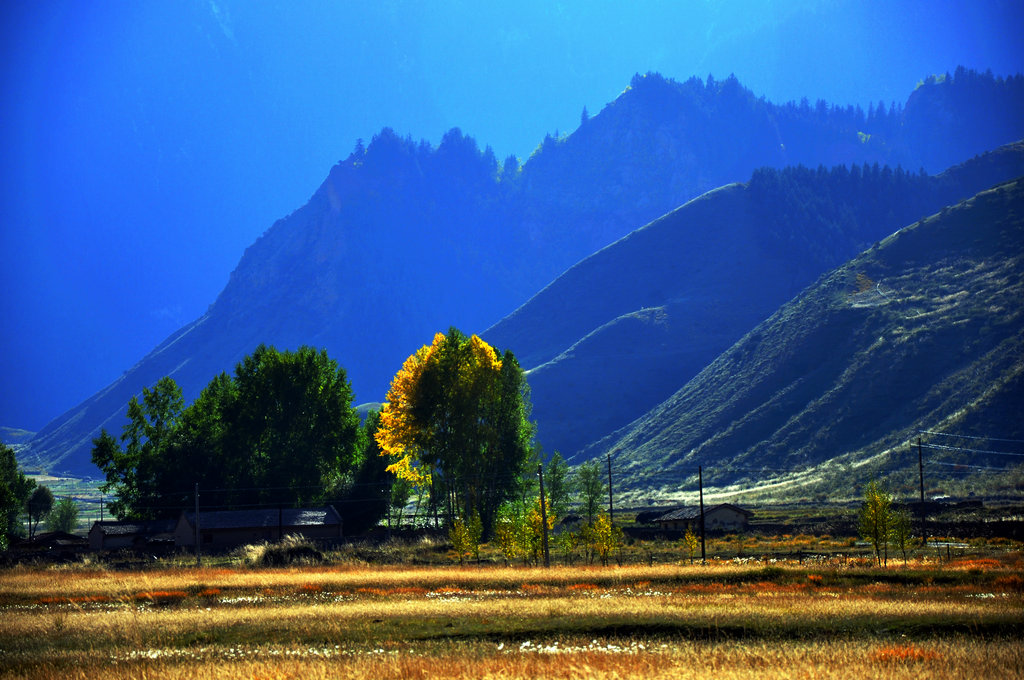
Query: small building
57	540
722	517
130	534
227	529
50	543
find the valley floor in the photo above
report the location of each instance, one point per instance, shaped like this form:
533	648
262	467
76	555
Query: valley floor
829	619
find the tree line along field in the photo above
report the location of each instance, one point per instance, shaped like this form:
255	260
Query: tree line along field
828	618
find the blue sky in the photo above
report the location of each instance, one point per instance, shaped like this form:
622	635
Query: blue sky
146	144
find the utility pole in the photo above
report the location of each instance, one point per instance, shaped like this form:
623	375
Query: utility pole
611	506
920	474
101	507
199	559
700	487
543	516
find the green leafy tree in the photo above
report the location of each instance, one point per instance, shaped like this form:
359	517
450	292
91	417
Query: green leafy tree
39	505
874	520
900	533
591	488
568	542
534	534
15	489
603	537
134	472
200	452
465	537
557	485
63	516
364	496
510	531
280	432
293	425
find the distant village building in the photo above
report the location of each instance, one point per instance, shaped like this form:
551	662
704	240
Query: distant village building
51	541
225	529
722	517
130	534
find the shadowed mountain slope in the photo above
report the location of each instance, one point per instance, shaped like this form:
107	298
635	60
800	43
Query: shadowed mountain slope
625	328
404	239
925	331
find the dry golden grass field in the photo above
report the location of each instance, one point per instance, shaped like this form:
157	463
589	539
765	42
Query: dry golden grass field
832	619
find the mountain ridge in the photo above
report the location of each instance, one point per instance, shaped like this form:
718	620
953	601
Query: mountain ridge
848	371
403	239
770	238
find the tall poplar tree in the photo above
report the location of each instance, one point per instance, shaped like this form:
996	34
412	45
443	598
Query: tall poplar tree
456	420
875	519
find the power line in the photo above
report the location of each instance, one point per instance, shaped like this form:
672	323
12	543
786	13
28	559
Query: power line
941	447
972	467
971	436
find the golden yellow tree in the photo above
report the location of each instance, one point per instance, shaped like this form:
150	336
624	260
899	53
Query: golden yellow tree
535	529
509	532
399	435
456	421
604	537
465	537
691	541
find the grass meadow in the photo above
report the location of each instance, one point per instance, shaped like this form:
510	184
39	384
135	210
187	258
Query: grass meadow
831	619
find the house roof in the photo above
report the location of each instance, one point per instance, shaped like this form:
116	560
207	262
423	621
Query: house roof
133	527
59	538
49	539
690	513
264	518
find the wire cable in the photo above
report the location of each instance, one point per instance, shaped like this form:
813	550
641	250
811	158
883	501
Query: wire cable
972	436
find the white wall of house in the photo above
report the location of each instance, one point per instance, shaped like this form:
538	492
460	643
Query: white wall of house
725	518
100	540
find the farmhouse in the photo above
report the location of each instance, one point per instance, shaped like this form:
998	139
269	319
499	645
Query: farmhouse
136	534
227	529
722	517
52	544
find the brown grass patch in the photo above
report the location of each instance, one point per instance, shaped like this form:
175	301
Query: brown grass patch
904	654
160	596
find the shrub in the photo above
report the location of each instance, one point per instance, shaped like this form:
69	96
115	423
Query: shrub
292	549
603	537
691	542
465	537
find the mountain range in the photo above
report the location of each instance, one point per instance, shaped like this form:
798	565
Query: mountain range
625	328
403	239
921	333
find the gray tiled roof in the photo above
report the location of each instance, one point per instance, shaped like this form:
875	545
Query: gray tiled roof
690	513
247	519
130	528
680	514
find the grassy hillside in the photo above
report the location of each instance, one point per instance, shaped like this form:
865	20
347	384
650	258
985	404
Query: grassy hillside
627	327
14	435
924	331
